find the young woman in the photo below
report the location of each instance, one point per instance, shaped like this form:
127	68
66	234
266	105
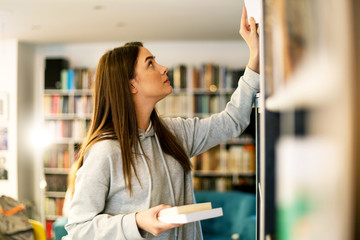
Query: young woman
133	163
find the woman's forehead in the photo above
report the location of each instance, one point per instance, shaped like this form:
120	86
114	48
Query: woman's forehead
144	53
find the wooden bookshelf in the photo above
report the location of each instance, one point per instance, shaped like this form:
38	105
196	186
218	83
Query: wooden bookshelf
67	113
200	91
308	89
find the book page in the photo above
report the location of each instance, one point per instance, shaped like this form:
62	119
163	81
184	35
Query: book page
192	217
185	209
253	9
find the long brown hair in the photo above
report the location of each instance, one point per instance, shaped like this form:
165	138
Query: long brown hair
114	114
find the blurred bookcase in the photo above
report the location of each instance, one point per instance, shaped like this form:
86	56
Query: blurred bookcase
199	91
67	106
306	87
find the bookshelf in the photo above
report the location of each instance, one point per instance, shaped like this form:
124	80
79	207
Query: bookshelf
199	91
306	87
67	113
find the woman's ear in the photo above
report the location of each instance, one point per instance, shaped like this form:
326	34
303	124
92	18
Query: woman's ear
133	86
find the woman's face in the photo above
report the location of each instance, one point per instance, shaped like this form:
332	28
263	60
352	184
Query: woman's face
151	80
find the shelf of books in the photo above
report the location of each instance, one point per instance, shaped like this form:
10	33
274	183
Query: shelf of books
67	113
200	92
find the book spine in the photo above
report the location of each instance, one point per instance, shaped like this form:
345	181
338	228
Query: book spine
70	84
64	79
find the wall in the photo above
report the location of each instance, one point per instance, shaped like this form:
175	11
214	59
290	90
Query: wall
27	179
16	82
8	85
230	53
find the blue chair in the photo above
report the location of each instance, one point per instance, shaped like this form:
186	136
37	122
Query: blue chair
239	215
59	228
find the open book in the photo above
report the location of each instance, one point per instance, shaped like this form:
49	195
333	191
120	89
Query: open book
189	213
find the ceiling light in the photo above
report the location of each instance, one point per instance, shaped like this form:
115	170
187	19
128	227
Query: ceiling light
98	7
120	24
35	27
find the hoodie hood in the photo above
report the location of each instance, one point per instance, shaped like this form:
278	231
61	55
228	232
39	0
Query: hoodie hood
148	133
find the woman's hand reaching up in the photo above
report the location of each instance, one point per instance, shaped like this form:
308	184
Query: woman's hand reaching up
251	37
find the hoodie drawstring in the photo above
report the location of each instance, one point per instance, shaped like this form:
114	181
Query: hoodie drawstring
168	177
148	169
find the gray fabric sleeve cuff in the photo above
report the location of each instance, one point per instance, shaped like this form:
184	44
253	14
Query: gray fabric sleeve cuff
251	78
131	230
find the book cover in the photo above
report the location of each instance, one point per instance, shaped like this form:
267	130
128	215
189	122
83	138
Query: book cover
70	84
253	9
189	213
185	209
192	217
64	79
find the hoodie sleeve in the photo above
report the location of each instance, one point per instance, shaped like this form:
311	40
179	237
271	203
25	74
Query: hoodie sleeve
198	135
86	217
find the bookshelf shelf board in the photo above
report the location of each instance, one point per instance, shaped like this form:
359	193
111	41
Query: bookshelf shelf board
183	115
55	194
179	91
60	116
199	91
68	92
50	92
201	173
63	171
67	141
291	96
68	116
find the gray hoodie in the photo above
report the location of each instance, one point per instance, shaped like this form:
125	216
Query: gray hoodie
101	207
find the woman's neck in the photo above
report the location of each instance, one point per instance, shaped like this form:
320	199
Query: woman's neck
143	113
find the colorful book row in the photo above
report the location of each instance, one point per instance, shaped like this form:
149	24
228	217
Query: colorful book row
59	104
54	206
83	105
207	104
208	76
173	104
71	79
209	184
57	157
56	104
226	183
238	159
59	129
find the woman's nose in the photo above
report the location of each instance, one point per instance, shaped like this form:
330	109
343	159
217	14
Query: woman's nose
164	70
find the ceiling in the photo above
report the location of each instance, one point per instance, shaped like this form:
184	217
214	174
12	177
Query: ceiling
68	21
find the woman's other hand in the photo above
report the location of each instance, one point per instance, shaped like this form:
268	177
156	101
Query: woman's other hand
147	220
251	37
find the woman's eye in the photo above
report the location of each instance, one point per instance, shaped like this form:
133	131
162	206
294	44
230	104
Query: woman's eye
150	64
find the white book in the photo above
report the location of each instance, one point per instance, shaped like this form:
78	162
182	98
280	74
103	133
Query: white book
253	8
192	217
189	213
185	209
